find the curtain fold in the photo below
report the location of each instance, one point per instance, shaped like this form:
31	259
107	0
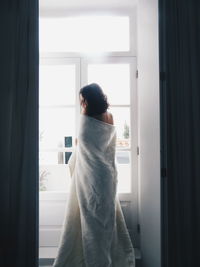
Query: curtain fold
19	188
180	124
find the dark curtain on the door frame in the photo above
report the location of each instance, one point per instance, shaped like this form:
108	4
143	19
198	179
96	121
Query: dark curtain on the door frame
180	131
19	59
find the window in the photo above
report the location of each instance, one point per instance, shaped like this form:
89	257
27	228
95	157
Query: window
114	75
84	34
63	73
59	82
72	54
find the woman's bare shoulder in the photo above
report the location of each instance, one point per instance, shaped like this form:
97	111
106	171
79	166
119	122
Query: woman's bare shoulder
110	118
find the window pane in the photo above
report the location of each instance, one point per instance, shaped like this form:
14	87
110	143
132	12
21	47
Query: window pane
124	171
84	34
54	125
49	158
114	80
121	118
57	85
54	178
54	158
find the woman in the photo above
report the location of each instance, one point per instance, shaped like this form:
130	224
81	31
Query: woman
94	232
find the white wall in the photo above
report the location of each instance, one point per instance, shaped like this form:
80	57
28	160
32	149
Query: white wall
149	132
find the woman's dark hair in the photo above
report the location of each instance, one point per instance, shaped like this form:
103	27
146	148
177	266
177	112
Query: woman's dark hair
96	99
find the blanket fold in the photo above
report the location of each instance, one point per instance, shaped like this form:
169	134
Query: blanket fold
94	232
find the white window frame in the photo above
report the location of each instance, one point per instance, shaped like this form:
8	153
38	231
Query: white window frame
81	80
64	61
133	114
78	58
115	12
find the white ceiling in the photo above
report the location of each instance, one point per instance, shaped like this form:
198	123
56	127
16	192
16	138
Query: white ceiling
71	4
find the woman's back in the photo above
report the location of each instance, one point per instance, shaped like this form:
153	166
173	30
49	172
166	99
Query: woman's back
105	117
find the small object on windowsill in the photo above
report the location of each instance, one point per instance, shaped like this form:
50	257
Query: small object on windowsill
68	141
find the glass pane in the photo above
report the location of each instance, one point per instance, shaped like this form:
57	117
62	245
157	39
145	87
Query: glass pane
54	178
49	157
84	34
121	118
122	157
54	158
57	84
54	125
114	80
124	171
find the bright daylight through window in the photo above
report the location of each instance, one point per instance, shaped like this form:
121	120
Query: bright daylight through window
76	51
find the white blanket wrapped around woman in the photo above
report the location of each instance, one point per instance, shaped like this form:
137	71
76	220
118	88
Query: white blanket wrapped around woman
94	232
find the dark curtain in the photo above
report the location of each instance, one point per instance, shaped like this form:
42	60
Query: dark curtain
19	59
179	22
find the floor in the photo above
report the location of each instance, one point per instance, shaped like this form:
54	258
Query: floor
47	256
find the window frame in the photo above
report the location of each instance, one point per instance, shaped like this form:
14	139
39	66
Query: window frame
133	114
46	13
64	61
79	58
